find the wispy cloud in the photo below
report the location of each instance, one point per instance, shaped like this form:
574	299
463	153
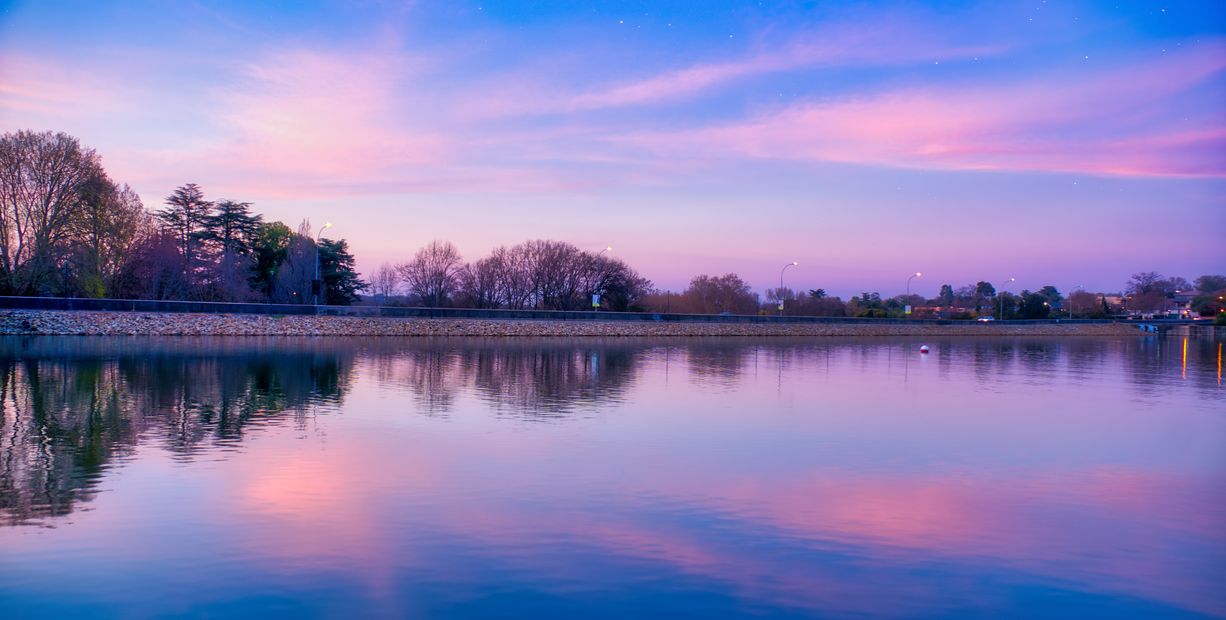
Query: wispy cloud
324	116
884	42
1122	123
43	88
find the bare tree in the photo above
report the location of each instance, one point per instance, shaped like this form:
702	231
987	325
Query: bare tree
480	283
386	281
297	271
620	287
726	293
153	269
513	266
431	275
41	180
1146	282
111	223
557	273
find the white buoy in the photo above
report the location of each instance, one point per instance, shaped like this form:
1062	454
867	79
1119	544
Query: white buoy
923	348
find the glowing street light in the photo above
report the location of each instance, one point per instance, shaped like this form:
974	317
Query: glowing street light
316	285
785	268
913	276
1001	295
909	279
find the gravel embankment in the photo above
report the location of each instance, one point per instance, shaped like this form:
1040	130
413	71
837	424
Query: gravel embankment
23	322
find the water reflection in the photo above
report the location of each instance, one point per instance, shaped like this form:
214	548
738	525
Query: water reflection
70	406
549	477
543	379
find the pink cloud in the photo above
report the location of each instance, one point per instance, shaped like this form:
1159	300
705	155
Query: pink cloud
325	117
1088	126
39	89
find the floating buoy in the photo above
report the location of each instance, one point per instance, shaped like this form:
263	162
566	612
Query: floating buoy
923	348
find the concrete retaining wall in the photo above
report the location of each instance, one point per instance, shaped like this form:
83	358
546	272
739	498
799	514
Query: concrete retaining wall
94	323
202	307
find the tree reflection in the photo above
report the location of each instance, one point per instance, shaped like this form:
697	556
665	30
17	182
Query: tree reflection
70	407
530	378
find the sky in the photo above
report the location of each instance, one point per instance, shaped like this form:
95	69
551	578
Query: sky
1063	143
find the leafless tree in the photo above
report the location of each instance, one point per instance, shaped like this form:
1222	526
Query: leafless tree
513	266
41	180
294	277
386	281
111	223
556	271
153	269
726	293
480	283
620	287
431	275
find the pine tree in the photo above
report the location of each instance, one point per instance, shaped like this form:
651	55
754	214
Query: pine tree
336	269
186	216
233	228
946	295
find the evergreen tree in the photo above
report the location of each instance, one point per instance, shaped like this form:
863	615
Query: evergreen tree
269	247
336	269
1033	305
186	216
946	296
233	228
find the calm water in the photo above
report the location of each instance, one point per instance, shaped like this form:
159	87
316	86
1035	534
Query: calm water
619	478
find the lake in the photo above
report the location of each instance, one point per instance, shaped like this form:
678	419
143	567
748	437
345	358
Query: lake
612	478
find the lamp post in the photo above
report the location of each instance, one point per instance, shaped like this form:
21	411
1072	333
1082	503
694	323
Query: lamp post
1001	295
909	279
785	268
316	285
595	293
1074	289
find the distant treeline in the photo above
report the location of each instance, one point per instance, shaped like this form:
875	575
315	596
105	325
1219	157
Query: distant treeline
541	274
553	275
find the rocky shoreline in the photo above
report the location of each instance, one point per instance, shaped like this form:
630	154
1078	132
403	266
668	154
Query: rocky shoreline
89	323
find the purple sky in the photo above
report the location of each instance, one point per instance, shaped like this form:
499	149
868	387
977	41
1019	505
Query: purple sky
1055	142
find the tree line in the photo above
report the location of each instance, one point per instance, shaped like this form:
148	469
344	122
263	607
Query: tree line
68	229
539	274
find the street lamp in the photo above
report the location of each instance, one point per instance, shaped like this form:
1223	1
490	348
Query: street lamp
785	268
316	284
1075	288
595	294
908	301
1001	295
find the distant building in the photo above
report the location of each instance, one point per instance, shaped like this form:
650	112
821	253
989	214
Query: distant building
1180	304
